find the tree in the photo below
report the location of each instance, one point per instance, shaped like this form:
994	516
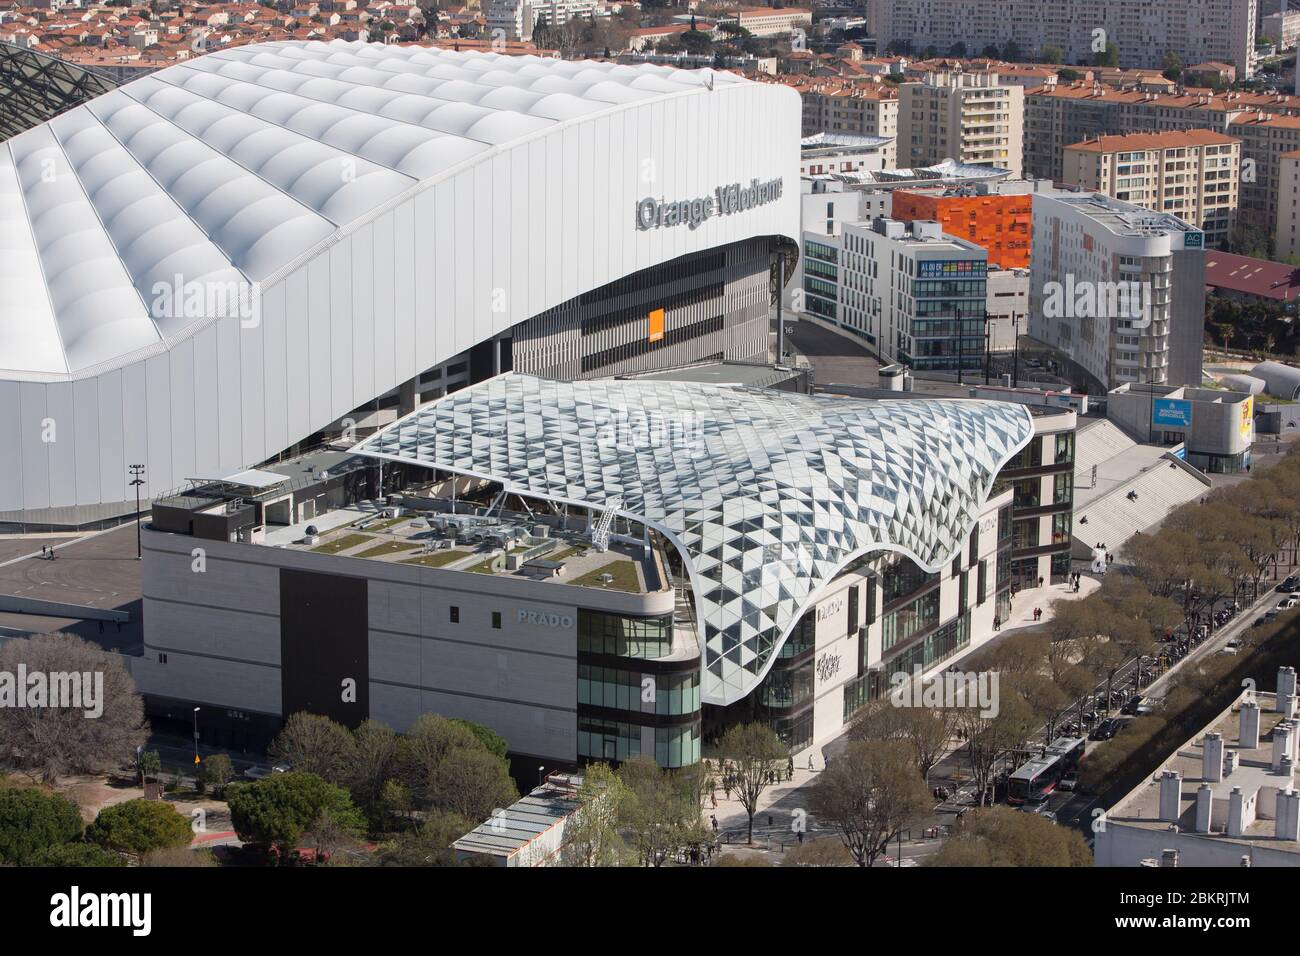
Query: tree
1108	57
754	752
926	730
958	49
445	765
1051	54
659	810
694	41
591	834
1171	66
989	737
216	772
315	744
471	783
397	801
819	853
150	765
137	826
489	738
76	855
377	753
1067	75
999	836
423	747
870	793
276	810
32	820
332	832
46	742
1011	51
430	845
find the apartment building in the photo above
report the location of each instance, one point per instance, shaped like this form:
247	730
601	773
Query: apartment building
1117	291
970	117
767	21
1059	115
517	18
1191	174
514	17
1286	242
1281	29
861	109
913	294
1265	138
1197	30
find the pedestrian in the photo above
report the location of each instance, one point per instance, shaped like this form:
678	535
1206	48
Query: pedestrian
789	769
714	820
714	798
810	765
1040	580
997	623
800	835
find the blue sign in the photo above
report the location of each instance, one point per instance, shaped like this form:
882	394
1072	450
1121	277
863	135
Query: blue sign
1174	412
1193	240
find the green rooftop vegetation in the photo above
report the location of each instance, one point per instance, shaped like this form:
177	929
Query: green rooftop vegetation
344	543
623	572
437	559
388	547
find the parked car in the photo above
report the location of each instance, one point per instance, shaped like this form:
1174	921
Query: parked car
1287	603
1106	729
259	773
1232	647
1131	705
1069	782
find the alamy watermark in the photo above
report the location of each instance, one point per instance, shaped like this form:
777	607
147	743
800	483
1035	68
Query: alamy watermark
73	690
1086	299
948	690
199	299
637	430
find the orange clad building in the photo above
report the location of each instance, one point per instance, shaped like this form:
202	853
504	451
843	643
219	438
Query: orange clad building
1000	224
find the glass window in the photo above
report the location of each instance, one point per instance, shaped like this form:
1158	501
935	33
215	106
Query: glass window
1065	447
903	578
901	624
1063	490
639	637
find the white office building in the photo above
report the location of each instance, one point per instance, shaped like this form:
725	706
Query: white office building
1116	291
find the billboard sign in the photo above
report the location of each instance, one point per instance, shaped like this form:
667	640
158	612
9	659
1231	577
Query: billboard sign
1171	412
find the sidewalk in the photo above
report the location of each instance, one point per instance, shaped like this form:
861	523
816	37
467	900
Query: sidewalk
782	799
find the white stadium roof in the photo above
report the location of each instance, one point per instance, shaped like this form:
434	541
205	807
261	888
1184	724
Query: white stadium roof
234	166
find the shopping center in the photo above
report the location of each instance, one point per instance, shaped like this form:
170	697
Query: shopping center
596	569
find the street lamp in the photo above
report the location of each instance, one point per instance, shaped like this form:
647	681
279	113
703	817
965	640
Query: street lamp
136	481
196	736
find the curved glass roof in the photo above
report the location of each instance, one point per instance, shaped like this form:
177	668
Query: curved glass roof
766	494
228	167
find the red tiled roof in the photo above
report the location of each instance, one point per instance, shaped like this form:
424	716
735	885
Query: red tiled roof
1258	277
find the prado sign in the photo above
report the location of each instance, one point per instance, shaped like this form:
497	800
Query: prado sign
653	213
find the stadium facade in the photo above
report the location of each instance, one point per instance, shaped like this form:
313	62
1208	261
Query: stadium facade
222	262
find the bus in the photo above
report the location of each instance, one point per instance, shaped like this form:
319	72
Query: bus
1033	781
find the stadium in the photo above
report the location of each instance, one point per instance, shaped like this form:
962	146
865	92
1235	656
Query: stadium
228	261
